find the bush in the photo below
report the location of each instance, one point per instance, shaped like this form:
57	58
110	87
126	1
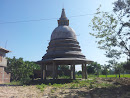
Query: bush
20	70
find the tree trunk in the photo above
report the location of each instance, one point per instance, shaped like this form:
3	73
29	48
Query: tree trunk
119	75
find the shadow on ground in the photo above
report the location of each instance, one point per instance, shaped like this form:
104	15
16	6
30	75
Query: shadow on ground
57	81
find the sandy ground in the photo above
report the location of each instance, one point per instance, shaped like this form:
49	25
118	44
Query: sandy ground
20	92
50	92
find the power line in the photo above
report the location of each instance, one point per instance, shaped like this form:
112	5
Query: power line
82	15
22	21
26	21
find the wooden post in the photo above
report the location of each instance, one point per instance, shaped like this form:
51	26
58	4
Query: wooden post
54	71
72	71
44	72
85	68
71	67
83	71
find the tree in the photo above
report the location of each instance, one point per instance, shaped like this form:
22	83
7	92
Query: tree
94	68
126	65
20	70
64	70
118	68
113	30
105	69
79	73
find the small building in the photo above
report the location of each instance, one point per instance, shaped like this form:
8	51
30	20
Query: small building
4	76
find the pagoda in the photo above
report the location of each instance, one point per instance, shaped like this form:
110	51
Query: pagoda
63	50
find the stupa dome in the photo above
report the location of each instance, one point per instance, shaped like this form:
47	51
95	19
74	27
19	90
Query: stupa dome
62	32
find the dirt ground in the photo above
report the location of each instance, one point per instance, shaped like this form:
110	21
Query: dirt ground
123	91
20	92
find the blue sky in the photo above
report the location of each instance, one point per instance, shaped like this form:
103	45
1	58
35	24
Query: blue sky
29	40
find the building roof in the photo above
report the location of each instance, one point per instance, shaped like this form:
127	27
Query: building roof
63	47
4	50
65	61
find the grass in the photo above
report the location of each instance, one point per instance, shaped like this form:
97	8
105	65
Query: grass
104	76
41	87
113	76
15	83
75	84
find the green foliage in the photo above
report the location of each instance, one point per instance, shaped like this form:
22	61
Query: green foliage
58	85
20	70
64	70
63	77
91	83
15	83
79	72
76	81
105	69
114	75
94	68
113	30
126	65
117	67
78	76
52	90
49	84
41	87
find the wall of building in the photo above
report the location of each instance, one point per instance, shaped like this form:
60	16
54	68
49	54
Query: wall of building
4	76
3	60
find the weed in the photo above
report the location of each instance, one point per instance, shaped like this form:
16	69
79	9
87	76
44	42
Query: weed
52	90
49	84
91	86
76	81
41	87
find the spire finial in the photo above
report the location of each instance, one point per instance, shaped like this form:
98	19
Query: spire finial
63	13
63	19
